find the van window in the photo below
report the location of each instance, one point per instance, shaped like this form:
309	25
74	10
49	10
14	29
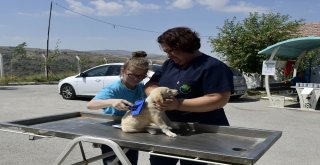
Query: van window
155	67
235	72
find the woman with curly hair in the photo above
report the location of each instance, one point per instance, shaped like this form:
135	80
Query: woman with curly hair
204	84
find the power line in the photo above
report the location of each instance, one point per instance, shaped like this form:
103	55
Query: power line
105	22
113	24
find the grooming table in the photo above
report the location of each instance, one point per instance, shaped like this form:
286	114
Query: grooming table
195	142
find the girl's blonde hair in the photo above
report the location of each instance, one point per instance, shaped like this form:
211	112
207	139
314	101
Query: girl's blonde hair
138	60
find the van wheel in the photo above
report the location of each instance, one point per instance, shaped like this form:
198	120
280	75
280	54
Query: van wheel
67	92
236	97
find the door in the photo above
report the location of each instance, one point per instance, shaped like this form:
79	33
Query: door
92	81
112	74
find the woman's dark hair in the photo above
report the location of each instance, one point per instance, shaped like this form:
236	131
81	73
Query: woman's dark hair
181	38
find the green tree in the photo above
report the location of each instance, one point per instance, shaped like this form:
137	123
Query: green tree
84	62
310	60
50	59
20	51
239	42
55	54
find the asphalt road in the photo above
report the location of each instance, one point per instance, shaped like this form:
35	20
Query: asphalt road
299	144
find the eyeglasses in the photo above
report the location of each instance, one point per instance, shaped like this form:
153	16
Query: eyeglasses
168	50
134	76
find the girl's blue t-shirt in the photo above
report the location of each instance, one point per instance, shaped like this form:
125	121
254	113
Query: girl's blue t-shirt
117	90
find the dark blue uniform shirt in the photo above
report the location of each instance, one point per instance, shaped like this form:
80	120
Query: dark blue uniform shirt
203	75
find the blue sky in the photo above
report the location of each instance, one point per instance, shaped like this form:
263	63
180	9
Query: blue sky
130	24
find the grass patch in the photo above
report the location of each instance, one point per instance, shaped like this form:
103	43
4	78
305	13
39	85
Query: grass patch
253	92
38	78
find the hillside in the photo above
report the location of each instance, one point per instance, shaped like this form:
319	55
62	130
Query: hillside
64	62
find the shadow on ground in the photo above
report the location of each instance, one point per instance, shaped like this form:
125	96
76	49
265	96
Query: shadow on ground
8	88
84	98
243	99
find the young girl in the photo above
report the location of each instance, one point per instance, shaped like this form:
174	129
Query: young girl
116	98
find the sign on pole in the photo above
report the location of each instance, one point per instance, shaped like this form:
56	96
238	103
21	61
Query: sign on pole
269	67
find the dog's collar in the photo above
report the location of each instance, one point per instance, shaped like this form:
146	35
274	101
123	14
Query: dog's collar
137	107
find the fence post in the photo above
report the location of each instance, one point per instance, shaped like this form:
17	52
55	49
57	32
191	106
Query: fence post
1	66
79	68
45	66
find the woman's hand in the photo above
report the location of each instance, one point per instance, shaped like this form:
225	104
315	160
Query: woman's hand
168	104
121	104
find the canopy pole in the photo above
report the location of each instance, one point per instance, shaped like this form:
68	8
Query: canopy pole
266	80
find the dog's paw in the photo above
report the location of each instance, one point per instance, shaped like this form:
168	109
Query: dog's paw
170	134
151	131
175	125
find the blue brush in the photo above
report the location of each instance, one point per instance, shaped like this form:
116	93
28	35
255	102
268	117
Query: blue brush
137	107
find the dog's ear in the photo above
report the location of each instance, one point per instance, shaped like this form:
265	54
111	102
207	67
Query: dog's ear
157	97
174	92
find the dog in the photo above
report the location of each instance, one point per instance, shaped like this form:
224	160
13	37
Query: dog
149	114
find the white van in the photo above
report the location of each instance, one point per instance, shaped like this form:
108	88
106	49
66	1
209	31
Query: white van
239	83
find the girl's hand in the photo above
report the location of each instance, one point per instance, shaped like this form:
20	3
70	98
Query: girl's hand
121	104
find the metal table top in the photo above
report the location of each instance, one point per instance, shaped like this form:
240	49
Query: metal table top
213	143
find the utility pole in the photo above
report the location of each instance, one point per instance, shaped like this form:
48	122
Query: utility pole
47	56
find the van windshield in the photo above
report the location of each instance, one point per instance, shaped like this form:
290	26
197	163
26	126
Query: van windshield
155	67
236	72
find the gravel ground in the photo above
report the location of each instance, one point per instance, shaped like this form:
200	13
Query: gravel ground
298	145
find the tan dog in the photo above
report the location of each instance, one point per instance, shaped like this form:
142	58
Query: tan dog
150	114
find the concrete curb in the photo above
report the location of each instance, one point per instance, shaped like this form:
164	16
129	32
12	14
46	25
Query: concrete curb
29	83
